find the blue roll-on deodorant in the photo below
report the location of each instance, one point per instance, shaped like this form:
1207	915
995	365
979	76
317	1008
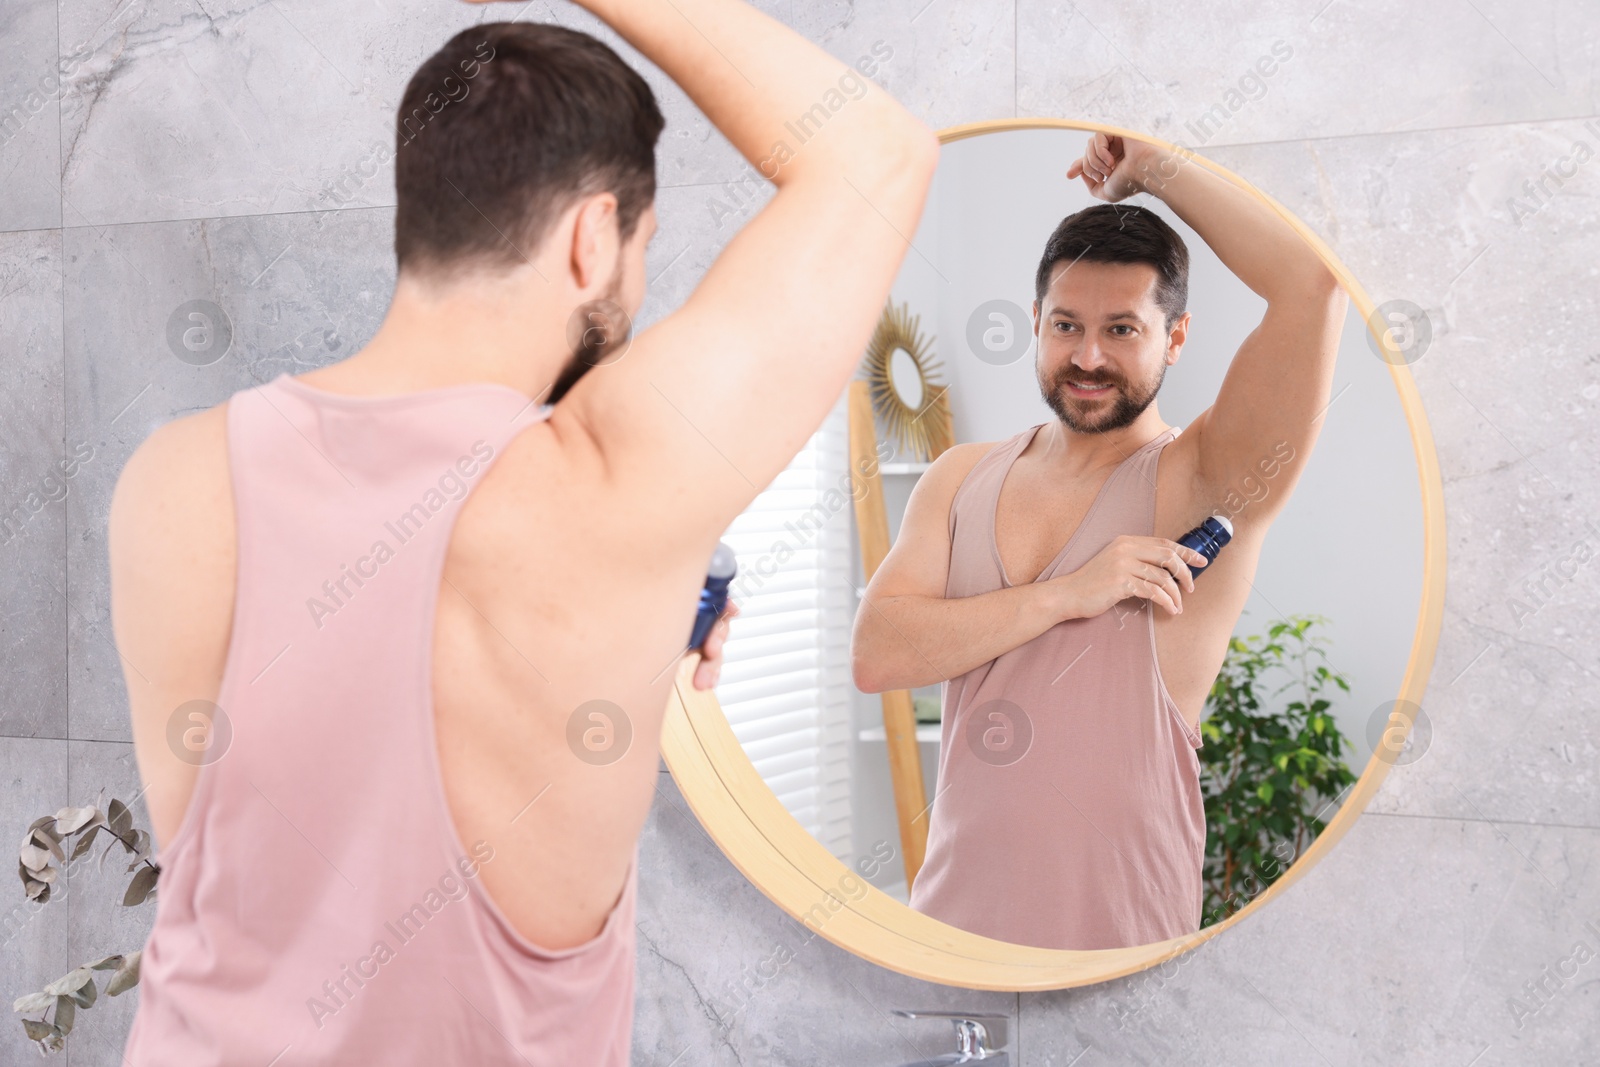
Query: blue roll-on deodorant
714	597
1208	539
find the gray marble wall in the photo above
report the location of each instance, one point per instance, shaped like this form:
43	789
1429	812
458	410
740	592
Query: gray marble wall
221	150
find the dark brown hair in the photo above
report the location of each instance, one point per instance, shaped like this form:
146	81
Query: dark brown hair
1114	233
501	130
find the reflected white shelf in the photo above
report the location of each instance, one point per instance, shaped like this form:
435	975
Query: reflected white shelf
903	468
926	731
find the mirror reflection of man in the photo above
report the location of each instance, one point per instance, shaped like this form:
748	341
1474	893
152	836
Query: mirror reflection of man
1039	577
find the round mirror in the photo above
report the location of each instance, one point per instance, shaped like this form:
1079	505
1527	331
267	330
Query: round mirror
1057	803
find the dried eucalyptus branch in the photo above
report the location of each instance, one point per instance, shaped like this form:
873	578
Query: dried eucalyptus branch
59	1002
41	855
41	863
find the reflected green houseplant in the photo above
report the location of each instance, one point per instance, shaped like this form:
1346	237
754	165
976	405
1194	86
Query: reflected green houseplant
1269	767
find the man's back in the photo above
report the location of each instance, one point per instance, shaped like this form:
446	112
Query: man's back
319	871
543	563
553	608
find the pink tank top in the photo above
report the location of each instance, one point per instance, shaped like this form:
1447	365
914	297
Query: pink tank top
316	905
1068	812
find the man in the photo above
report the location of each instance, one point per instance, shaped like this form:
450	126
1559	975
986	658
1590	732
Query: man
1068	812
438	615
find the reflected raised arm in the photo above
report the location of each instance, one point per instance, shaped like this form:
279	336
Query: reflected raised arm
1278	385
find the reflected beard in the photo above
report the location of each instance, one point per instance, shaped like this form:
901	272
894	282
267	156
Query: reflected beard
585	358
1127	406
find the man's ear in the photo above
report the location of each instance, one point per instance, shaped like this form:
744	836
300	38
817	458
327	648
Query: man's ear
1177	336
595	245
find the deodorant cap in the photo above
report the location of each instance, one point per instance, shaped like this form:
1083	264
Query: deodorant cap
722	562
1222	520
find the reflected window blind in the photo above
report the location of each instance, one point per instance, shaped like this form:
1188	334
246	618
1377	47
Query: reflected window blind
785	682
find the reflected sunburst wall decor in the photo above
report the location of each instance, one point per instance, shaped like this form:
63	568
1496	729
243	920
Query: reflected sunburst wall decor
922	431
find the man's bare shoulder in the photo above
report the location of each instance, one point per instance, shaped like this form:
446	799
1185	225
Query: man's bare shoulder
171	533
956	462
177	457
935	492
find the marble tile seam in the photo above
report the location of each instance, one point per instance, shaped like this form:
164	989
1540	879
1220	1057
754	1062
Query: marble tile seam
1479	819
1202	149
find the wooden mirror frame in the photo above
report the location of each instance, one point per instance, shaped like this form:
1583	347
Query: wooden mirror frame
799	875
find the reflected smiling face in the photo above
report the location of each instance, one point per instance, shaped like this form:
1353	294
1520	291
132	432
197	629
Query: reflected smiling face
1103	343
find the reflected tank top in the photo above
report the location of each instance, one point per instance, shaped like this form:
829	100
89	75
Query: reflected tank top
1068	811
317	906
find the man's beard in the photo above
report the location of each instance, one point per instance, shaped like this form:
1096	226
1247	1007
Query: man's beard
593	334
1124	407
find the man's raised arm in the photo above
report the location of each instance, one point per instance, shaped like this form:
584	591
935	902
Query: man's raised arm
711	403
1278	384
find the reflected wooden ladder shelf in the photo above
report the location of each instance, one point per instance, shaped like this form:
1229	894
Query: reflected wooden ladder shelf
899	718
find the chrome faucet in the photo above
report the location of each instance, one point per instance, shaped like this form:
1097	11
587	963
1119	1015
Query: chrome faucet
980	1038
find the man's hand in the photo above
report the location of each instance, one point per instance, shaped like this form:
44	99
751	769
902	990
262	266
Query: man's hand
1110	166
1132	565
705	675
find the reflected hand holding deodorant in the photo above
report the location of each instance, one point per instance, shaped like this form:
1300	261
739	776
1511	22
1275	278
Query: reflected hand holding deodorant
714	597
1208	539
